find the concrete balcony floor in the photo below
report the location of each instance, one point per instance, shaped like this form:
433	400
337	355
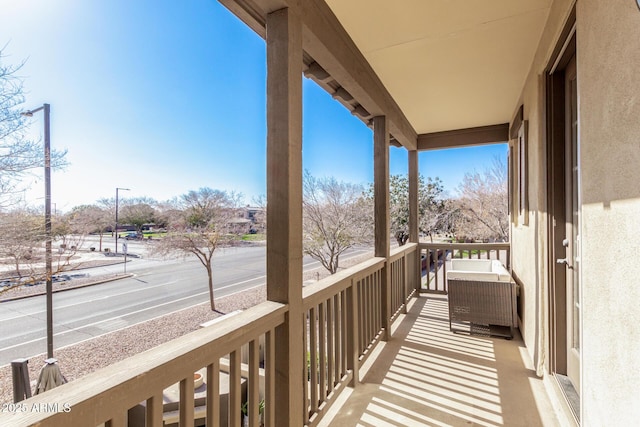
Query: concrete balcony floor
429	376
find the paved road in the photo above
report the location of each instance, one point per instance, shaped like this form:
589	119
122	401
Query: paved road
158	288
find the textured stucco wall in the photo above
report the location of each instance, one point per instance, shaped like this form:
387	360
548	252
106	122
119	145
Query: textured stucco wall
529	243
609	126
608	61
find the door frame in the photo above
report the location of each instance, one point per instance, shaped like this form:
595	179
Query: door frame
556	195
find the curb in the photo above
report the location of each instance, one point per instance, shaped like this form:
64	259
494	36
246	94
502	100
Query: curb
97	282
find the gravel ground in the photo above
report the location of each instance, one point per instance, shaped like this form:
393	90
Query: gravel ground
83	358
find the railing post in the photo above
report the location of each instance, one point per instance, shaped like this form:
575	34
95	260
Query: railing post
21	383
284	210
382	224
352	333
414	236
405	277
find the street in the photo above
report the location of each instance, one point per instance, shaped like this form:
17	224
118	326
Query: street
157	288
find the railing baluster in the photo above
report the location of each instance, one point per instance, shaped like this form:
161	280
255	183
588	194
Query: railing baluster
345	327
445	285
254	383
154	410
331	356
313	359
306	377
429	277
213	394
186	402
358	295
373	315
120	421
378	298
405	282
235	389
366	308
322	345
371	307
352	327
269	380
437	268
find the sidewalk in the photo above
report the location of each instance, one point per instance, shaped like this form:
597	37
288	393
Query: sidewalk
70	278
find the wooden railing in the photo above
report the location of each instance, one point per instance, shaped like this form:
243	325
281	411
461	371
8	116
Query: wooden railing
342	320
435	257
402	262
343	323
107	396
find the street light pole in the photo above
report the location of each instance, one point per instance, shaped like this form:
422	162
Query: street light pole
47	220
118	188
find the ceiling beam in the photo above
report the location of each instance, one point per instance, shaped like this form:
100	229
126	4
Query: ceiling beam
464	137
329	44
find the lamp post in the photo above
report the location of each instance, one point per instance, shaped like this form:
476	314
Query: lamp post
47	220
118	188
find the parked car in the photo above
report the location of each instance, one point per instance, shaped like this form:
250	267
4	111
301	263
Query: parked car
133	235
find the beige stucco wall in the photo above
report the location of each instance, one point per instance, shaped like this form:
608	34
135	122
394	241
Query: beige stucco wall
608	61
529	242
609	126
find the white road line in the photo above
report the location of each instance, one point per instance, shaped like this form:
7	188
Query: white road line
128	326
56	308
141	289
128	314
146	309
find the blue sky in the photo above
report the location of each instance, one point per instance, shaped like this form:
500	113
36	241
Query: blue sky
164	97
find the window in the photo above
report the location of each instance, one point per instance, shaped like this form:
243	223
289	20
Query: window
518	167
523	193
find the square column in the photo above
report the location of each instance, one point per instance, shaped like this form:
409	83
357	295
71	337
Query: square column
413	215
381	211
284	207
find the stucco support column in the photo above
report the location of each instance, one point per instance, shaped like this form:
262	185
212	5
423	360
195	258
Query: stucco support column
413	215
381	202
284	209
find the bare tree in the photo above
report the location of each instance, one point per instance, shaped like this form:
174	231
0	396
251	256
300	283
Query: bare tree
20	234
88	219
18	154
22	240
484	204
199	223
336	217
260	216
138	212
69	242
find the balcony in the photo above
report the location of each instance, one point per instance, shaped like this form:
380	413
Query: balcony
418	374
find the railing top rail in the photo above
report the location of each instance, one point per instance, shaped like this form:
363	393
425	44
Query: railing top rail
501	245
324	289
401	251
95	398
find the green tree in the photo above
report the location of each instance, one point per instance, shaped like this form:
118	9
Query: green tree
433	216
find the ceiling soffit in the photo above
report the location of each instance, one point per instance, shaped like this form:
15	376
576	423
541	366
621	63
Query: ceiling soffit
449	64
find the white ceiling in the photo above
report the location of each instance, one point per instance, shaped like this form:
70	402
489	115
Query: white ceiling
449	64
